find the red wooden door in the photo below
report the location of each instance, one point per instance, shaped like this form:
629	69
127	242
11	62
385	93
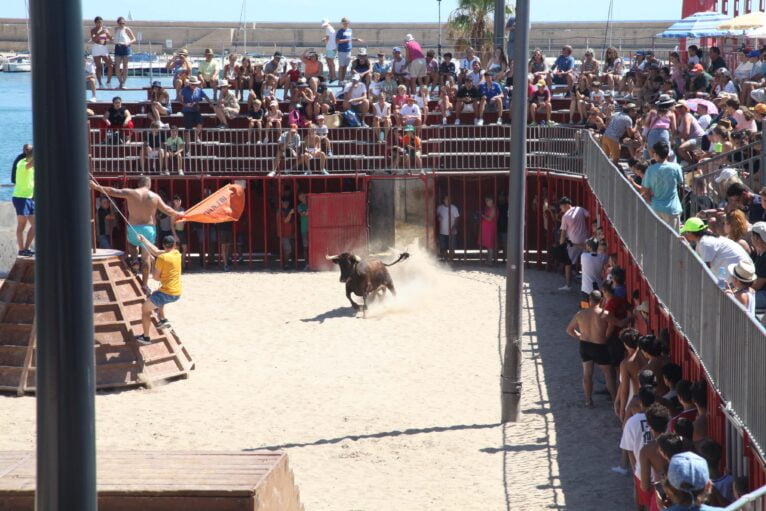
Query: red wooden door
337	223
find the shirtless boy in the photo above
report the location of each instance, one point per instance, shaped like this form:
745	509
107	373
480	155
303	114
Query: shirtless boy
629	368
653	466
142	209
589	327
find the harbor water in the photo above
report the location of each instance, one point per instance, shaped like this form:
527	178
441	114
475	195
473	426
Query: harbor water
16	115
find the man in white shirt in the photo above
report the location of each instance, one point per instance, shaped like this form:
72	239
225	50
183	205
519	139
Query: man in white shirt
636	434
410	113
592	267
715	251
447	214
574	232
355	96
466	65
330	48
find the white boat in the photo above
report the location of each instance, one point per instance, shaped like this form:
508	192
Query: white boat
18	64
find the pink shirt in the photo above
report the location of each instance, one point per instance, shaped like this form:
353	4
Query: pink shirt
415	51
575	223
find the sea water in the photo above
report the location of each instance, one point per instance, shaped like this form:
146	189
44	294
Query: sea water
16	115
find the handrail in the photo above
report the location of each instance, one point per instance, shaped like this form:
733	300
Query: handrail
730	344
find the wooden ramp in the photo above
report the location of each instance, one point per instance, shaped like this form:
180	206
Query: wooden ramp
117	299
168	481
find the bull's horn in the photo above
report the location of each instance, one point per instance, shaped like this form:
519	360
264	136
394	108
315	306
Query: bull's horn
330	257
357	258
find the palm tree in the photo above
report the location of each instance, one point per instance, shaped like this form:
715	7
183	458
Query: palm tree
471	24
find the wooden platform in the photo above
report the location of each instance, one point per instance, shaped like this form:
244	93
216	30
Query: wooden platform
117	300
168	481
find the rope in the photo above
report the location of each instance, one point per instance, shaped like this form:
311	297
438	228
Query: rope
116	208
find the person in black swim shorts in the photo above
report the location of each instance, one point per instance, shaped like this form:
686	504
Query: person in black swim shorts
589	327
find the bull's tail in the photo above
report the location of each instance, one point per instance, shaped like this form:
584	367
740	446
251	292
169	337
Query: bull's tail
403	257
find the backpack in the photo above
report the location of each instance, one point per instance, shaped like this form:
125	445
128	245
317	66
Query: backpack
351	120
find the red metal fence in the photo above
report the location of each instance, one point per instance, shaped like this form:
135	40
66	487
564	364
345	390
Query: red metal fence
338	224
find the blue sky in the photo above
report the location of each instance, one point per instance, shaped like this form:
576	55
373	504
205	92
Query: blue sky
358	10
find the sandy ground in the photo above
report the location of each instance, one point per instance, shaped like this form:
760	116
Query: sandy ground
396	412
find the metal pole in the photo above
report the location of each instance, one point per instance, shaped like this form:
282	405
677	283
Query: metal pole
66	440
511	376
439	47
499	24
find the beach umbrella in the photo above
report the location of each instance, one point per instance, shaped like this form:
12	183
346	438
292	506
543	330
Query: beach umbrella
756	33
711	108
750	21
699	24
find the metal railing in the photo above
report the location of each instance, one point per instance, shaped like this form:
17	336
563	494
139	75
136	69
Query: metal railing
444	148
746	160
730	344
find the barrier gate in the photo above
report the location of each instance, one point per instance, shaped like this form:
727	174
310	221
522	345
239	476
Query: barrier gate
337	223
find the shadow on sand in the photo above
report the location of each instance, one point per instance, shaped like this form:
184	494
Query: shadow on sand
585	443
340	312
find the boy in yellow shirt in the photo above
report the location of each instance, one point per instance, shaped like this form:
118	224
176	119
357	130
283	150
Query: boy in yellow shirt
167	270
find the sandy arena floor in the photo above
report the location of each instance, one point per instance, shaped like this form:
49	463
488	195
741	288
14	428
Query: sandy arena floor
398	412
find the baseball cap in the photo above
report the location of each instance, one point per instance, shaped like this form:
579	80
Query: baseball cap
688	471
157	83
541	83
320	116
693	224
356	77
697	68
759	228
754	53
409	127
409	37
397	49
325	22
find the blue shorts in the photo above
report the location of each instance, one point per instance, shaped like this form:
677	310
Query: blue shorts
192	119
159	298
24	207
120	50
147	231
330	54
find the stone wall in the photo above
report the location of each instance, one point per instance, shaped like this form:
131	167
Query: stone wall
293	38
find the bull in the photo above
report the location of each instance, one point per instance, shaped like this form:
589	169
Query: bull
364	277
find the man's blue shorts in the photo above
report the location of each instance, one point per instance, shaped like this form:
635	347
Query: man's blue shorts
147	231
159	298
192	119
24	207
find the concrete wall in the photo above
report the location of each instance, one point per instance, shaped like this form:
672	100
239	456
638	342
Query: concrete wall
293	38
8	248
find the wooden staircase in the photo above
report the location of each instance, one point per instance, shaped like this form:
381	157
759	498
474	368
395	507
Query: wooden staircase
117	299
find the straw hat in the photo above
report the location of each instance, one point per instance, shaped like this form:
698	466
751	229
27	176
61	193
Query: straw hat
743	270
184	52
223	83
193	80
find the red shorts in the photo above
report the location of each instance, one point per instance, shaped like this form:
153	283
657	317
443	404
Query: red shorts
643	498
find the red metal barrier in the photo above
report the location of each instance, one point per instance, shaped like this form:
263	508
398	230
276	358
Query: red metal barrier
338	224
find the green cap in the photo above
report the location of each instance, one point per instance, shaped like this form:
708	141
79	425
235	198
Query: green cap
693	224
409	127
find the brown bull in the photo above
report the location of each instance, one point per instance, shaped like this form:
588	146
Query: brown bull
364	277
